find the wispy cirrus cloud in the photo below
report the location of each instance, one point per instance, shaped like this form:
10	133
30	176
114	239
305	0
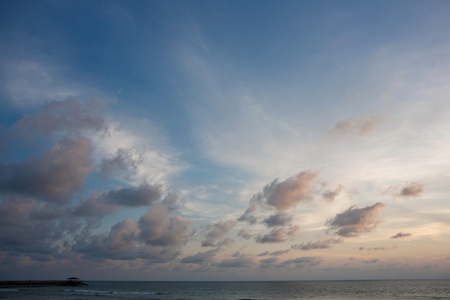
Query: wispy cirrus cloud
32	82
356	126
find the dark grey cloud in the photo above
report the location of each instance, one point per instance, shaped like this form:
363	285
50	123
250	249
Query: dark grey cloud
269	262
407	190
279	219
142	195
317	245
355	220
278	235
302	262
215	232
125	162
248	215
52	177
274	253
357	126
411	190
201	257
244	261
401	235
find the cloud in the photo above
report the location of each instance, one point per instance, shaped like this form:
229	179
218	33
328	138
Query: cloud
158	228
382	248
15	209
244	261
32	228
142	195
30	82
274	253
355	220
216	231
201	257
330	195
93	209
278	235
268	262
371	261
68	118
54	176
248	214
120	243
317	245
245	234
124	162
156	236
409	190
302	262
282	195
279	219
287	194
357	126
401	235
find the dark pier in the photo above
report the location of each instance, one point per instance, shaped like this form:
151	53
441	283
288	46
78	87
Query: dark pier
40	283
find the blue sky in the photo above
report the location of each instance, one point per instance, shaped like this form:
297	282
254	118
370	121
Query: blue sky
253	140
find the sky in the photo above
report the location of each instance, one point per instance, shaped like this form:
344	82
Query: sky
224	140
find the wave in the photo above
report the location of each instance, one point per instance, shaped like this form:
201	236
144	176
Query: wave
9	290
111	292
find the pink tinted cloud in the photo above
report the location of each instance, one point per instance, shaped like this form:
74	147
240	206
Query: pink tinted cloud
357	126
356	220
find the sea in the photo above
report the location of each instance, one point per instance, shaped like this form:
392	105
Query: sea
240	290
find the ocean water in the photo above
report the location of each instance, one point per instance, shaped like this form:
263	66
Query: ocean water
364	289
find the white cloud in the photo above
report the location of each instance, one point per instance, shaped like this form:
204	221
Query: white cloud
158	162
31	83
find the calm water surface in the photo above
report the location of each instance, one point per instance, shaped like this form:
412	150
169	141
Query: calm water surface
370	289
